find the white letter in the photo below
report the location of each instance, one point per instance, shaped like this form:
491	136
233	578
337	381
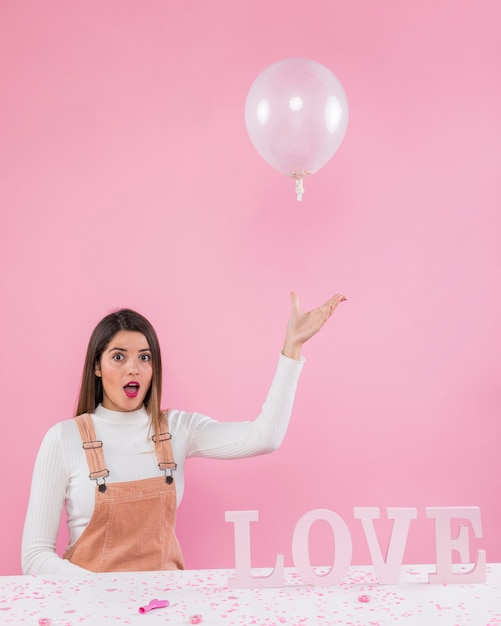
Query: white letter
445	544
243	575
300	548
387	569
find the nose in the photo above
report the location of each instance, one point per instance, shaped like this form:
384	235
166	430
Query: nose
133	367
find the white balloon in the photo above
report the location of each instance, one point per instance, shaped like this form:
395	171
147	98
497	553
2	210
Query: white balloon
296	114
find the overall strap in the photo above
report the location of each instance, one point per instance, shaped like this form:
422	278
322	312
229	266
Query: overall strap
93	450
163	450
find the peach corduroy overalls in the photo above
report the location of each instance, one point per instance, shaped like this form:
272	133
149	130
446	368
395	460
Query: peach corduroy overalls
133	524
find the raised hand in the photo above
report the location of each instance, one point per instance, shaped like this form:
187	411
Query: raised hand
303	325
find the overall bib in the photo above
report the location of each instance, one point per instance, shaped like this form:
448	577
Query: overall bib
133	524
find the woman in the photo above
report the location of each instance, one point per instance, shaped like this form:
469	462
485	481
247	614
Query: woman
118	466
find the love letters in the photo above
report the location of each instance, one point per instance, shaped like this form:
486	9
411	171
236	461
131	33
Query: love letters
387	568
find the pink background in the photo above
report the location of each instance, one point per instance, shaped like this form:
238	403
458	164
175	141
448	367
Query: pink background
128	179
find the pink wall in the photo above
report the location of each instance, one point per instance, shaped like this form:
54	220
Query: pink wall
127	179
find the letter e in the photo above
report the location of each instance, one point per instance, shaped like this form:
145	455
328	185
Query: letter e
445	544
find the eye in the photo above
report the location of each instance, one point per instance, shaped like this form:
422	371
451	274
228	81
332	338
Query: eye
117	356
145	357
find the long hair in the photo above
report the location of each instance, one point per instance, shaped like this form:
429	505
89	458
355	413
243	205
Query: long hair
91	388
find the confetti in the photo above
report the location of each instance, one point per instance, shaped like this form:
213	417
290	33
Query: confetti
106	599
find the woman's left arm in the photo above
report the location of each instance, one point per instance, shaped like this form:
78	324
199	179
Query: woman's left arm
214	439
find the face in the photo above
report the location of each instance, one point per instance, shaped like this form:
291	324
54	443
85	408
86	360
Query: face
125	370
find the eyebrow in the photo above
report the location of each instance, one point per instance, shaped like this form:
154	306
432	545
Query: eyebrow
125	349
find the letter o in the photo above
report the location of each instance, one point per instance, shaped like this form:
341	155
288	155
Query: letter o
301	548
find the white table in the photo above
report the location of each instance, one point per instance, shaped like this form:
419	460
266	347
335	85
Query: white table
102	600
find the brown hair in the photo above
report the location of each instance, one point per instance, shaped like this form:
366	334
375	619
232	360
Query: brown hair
91	388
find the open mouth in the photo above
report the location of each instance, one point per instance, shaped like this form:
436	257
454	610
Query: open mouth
131	390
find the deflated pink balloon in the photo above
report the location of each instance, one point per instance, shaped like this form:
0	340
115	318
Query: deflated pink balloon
296	115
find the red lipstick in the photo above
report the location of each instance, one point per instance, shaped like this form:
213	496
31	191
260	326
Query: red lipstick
132	389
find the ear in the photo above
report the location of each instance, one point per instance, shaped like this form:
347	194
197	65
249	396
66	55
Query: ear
97	370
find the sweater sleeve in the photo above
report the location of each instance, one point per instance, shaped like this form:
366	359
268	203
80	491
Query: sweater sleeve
43	517
232	440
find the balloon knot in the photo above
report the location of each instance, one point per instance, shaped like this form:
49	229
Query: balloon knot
299	189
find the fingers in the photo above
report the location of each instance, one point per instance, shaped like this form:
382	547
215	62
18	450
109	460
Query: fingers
333	302
329	307
337	299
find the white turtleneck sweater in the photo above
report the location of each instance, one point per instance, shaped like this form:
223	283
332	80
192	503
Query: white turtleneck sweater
61	474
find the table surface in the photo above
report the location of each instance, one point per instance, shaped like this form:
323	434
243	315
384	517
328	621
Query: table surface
103	599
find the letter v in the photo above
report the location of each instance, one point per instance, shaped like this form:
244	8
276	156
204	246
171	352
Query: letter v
387	569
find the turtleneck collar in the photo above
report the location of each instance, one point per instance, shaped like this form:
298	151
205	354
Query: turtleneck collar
121	417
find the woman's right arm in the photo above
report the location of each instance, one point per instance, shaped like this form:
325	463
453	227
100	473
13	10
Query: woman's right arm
43	517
